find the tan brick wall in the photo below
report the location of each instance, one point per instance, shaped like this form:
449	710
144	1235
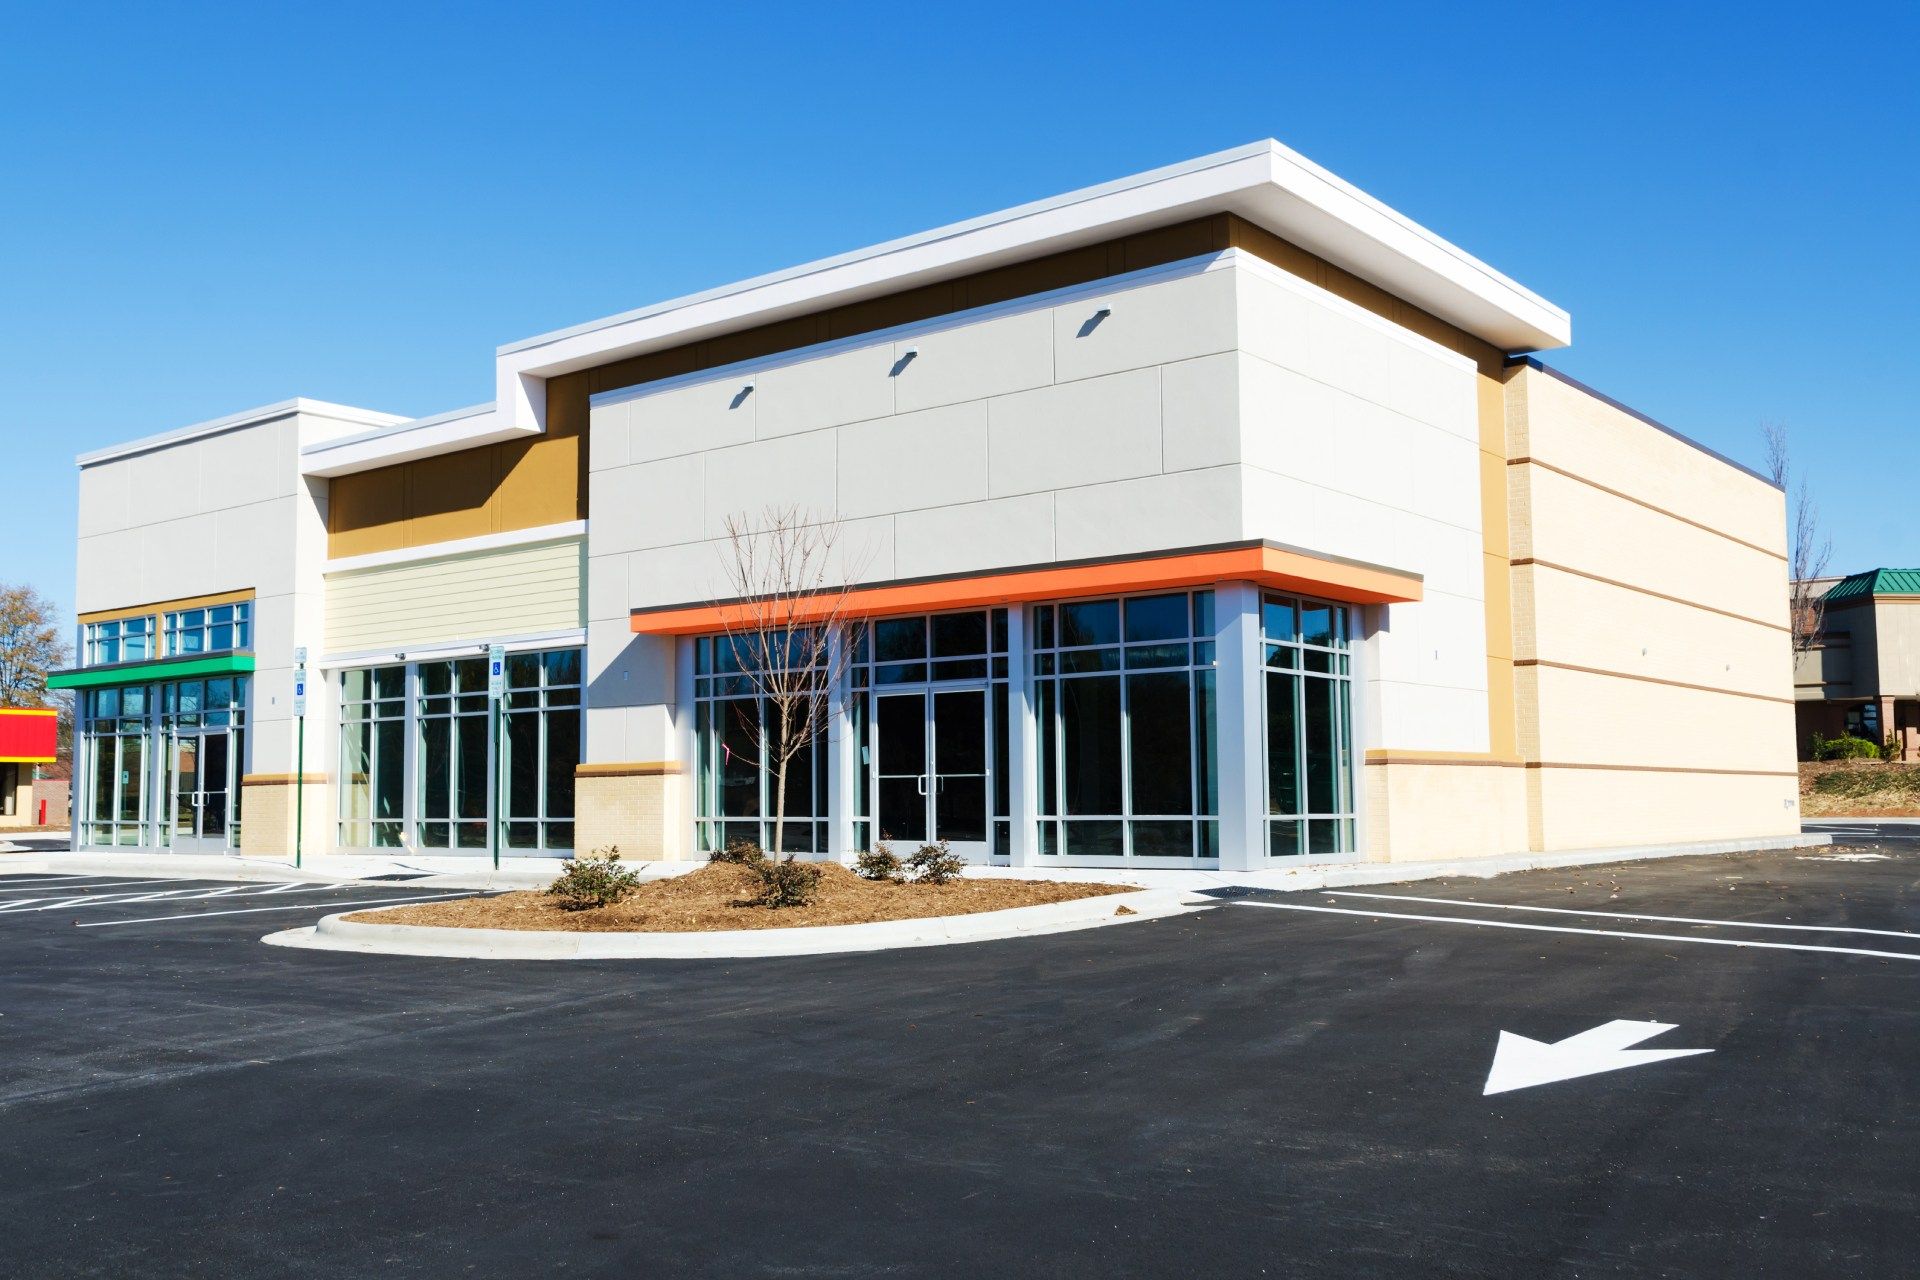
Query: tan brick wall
636	808
267	812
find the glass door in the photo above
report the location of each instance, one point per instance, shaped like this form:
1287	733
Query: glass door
201	791
959	731
900	767
930	769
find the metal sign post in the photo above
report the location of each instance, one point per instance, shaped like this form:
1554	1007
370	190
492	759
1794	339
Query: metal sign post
299	750
496	689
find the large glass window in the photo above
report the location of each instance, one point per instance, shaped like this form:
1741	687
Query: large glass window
115	725
735	788
542	744
452	769
373	769
1308	726
1124	694
211	629
416	768
120	640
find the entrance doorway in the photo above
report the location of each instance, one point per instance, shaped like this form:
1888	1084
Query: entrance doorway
201	768
930	768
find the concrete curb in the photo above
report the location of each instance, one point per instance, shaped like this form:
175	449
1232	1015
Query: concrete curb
335	933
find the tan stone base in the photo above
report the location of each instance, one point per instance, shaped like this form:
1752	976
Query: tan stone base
1421	808
267	811
634	807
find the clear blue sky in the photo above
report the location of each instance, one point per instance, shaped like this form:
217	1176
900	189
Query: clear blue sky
205	209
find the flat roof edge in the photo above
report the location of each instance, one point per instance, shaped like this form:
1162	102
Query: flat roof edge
234	421
1534	362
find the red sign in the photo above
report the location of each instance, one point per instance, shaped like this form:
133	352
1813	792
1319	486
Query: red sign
28	736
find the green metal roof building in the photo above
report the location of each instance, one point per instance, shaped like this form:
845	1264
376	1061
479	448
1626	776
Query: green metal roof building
1863	674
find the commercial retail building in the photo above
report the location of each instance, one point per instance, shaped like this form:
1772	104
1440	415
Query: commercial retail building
1213	516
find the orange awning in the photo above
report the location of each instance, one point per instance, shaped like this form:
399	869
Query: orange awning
1261	563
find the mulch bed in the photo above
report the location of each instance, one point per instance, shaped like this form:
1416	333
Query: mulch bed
719	896
1859	789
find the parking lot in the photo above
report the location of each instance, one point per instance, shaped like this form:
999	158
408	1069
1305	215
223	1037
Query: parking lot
1449	1078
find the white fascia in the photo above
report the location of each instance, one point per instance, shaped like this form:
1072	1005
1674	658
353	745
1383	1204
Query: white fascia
320	420
406	439
1264	182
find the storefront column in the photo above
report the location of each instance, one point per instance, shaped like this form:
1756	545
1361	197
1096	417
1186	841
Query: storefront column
1023	746
1243	824
843	754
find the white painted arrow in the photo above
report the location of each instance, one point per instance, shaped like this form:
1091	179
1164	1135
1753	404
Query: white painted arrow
1521	1063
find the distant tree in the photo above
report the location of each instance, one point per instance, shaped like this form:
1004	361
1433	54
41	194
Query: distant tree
1808	548
30	646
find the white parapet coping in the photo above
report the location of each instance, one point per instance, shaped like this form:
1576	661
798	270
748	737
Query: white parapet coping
337	933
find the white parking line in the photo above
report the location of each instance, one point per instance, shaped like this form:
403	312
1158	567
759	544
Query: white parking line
1596	933
24	906
33	879
299	906
1626	915
109	884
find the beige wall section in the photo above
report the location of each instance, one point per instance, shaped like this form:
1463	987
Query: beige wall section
1653	678
1465	808
510	591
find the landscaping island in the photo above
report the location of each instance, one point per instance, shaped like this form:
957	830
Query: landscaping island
1859	789
728	896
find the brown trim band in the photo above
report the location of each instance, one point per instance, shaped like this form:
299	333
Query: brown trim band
166	606
630	769
1661	768
1530	461
279	779
1645	591
1627	675
1450	758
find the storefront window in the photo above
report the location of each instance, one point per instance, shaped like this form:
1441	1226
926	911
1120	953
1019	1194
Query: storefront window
416	768
121	640
735	790
213	629
1124	693
373	710
1308	726
542	743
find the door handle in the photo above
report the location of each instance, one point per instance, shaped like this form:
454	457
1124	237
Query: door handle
922	781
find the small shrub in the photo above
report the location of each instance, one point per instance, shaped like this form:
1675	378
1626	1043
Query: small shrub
1844	747
594	881
741	852
1890	749
786	883
879	863
935	864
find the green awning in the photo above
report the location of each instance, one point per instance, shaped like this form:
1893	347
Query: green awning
181	668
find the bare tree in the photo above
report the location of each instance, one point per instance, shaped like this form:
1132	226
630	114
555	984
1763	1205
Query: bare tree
1808	549
792	585
30	646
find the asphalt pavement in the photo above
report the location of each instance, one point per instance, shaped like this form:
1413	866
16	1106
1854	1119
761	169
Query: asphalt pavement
1286	1085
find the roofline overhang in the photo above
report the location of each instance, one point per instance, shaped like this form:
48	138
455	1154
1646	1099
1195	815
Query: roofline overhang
1265	182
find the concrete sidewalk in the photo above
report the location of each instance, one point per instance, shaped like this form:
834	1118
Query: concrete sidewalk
535	873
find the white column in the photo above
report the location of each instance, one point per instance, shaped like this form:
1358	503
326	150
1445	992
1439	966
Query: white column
1023	744
843	760
1241	707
